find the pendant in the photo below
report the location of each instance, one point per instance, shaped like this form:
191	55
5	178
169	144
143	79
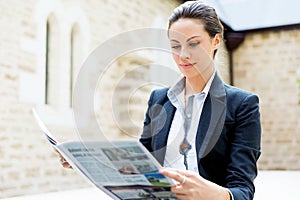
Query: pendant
184	147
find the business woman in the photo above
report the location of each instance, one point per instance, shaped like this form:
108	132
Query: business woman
207	134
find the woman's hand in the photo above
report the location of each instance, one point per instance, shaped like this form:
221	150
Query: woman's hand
63	161
193	187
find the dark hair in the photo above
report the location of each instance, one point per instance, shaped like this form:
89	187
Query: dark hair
198	10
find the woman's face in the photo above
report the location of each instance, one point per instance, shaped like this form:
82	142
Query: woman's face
192	47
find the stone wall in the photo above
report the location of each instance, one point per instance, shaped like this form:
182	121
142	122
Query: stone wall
27	162
268	64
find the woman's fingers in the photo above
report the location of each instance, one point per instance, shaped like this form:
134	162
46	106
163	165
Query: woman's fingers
62	160
173	174
64	163
181	176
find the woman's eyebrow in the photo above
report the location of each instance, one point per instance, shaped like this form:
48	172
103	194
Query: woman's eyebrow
192	37
174	40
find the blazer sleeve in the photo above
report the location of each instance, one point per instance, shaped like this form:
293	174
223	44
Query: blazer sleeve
158	117
245	149
146	137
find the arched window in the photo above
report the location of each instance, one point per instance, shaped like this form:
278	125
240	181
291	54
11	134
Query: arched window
52	61
47	62
75	57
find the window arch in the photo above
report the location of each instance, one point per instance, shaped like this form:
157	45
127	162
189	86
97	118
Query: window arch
75	56
52	80
64	40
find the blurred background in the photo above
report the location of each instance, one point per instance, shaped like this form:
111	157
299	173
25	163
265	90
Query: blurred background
43	44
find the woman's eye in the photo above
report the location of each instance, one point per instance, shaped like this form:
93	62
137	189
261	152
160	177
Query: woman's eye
176	47
193	44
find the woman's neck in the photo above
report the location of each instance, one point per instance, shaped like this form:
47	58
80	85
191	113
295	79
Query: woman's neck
196	84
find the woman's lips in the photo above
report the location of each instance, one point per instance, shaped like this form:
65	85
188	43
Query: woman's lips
186	66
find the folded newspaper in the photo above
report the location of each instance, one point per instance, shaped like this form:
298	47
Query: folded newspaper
122	169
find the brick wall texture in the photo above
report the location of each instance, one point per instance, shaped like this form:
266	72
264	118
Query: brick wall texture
28	164
266	63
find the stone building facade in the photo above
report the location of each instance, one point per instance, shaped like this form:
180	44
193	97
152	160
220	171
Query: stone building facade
268	64
43	44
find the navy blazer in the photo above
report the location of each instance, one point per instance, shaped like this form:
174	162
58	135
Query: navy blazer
228	136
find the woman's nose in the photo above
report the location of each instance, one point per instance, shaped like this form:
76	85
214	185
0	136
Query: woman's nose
184	54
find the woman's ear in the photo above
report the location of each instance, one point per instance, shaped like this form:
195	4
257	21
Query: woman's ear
217	41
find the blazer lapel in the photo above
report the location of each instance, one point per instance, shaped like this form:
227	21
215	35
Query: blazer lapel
160	138
212	118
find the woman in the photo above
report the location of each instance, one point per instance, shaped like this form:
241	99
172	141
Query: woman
206	133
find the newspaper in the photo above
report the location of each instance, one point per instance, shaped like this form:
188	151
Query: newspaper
122	169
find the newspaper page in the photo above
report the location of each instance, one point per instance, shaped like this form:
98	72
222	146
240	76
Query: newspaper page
122	169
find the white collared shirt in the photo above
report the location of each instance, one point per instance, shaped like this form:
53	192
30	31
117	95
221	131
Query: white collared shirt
176	95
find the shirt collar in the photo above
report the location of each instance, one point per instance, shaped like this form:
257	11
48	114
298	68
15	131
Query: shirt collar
176	92
208	84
